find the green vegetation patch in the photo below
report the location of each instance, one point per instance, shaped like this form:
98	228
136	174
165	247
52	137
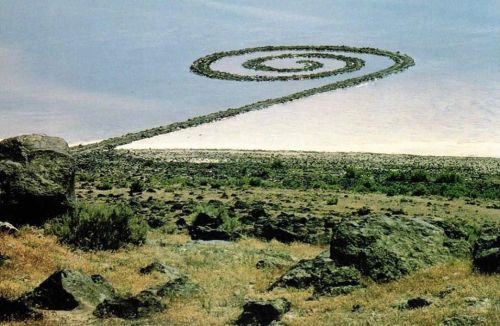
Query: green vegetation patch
99	227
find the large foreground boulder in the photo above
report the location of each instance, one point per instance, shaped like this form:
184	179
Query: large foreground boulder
386	248
69	289
37	176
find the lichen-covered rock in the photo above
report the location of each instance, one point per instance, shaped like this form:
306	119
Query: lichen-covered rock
69	289
387	248
157	266
142	305
323	275
175	287
487	251
263	312
16	310
37	176
290	227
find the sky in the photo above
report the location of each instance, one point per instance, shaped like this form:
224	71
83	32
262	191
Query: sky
88	70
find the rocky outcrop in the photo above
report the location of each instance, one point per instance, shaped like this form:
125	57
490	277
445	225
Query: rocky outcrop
323	275
263	312
36	179
69	289
487	251
387	248
142	305
291	227
148	301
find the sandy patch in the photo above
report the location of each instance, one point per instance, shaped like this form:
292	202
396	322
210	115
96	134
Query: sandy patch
425	118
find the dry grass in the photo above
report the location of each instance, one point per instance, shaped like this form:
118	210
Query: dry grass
228	276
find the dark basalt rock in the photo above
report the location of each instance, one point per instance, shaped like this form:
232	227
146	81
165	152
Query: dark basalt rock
322	274
142	305
387	248
290	227
487	251
175	287
147	302
37	176
69	289
16	310
414	303
208	224
263	312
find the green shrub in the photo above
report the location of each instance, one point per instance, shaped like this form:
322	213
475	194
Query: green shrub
219	213
419	176
104	186
448	177
277	164
352	173
255	182
136	186
333	201
99	227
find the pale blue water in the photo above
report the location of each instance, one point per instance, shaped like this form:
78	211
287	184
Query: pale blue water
88	70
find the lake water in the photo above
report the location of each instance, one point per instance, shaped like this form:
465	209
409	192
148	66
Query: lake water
88	70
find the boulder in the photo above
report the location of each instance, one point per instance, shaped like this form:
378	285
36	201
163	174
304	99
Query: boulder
16	310
263	312
487	251
414	303
290	227
7	228
69	289
142	305
209	223
386	248
37	176
323	275
175	287
156	266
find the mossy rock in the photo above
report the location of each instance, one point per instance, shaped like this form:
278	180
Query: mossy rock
69	289
387	248
37	179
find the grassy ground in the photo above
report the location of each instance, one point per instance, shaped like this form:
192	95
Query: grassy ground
227	272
